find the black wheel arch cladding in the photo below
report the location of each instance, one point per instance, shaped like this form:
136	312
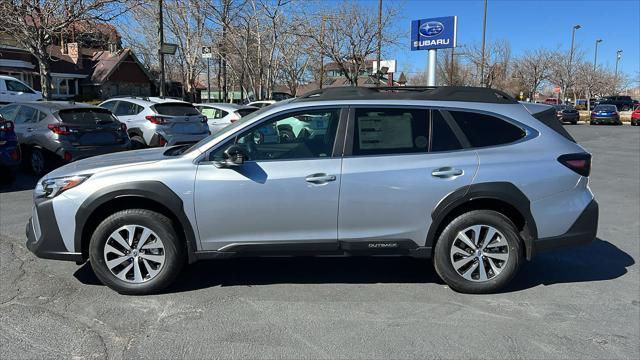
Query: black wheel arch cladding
504	192
154	191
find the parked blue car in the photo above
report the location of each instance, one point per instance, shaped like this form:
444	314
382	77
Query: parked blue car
9	150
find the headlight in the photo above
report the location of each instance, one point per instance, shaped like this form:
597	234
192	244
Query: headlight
51	188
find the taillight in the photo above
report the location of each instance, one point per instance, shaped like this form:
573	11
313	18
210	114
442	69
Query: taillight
14	155
67	156
204	119
6	126
59	129
580	163
158	120
233	120
123	127
162	141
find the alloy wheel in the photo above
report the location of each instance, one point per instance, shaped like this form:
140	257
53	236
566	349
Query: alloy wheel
37	162
479	253
134	253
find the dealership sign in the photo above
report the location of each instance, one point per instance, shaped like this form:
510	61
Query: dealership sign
434	33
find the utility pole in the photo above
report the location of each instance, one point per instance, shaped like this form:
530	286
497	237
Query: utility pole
160	42
321	51
379	42
484	30
208	80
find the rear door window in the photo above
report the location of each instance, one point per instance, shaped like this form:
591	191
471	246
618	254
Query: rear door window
379	131
26	115
86	116
485	130
8	112
442	136
176	109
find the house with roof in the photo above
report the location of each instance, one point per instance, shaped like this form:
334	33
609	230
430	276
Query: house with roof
87	62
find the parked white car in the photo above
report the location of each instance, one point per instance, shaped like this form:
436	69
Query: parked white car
13	90
220	115
261	103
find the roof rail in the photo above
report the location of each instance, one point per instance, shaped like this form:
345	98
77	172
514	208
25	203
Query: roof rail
441	93
145	98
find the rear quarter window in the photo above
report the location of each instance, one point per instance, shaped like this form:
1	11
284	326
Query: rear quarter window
485	130
176	109
245	112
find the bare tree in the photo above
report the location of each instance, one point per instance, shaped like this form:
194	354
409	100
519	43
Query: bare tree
496	63
531	69
34	24
349	36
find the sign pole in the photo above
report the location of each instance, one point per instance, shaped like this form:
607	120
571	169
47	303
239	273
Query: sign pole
431	67
208	81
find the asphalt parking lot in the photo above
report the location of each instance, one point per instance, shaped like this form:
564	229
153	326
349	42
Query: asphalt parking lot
576	303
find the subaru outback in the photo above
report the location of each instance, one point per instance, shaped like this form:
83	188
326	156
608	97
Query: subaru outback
468	177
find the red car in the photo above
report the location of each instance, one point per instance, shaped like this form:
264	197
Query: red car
635	116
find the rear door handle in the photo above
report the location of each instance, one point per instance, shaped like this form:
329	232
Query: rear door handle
446	172
320	178
29	129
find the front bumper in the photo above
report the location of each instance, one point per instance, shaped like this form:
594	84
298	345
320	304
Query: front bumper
582	232
43	234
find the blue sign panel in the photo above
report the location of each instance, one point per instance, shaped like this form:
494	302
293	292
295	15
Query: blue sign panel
434	33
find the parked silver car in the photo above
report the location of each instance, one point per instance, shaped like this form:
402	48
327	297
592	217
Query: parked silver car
220	115
54	132
154	121
466	176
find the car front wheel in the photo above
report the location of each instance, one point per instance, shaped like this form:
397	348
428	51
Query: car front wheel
478	252
136	252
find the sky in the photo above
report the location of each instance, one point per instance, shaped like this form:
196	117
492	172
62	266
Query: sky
530	25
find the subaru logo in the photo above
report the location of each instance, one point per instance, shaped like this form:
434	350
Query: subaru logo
431	28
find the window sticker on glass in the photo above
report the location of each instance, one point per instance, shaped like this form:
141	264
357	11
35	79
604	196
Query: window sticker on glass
377	131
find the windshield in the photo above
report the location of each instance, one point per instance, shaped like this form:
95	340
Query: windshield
231	126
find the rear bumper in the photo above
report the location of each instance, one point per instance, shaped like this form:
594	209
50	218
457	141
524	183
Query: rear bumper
78	153
175	139
568	118
43	235
607	120
582	232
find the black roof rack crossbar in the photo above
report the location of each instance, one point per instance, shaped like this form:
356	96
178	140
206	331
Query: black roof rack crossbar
442	93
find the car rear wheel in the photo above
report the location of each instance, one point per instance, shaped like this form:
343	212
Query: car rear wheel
136	252
38	163
478	252
137	142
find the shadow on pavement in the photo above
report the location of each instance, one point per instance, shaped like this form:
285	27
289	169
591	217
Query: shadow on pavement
600	260
20	183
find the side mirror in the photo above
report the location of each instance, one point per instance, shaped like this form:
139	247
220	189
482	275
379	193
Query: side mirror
234	156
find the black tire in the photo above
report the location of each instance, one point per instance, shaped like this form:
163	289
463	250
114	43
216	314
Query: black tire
442	259
137	142
7	175
174	251
574	123
38	162
591	123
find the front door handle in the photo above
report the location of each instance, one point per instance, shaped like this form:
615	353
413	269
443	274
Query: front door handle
320	178
29	129
446	172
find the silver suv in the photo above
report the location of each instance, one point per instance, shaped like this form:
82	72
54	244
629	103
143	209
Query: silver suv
466	176
155	121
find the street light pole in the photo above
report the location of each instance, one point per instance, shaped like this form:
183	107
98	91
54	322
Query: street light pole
595	57
160	42
484	30
569	72
618	57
